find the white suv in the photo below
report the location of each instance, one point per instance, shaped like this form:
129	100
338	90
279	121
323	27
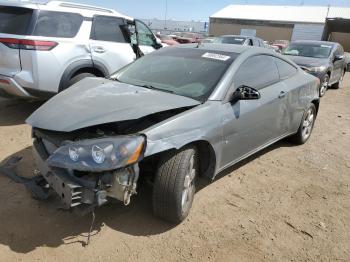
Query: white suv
45	48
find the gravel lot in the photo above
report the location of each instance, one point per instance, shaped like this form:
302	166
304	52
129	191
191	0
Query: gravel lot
287	203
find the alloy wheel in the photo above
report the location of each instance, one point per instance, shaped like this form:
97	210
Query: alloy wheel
189	186
308	123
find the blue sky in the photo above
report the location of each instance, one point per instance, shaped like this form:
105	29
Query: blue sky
191	9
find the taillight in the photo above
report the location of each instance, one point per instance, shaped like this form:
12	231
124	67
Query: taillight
28	44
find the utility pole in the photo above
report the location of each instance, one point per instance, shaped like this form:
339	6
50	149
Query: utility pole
166	12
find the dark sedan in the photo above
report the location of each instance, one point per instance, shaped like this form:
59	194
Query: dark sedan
324	60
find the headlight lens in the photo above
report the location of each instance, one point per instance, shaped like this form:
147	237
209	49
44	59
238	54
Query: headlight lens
317	69
97	155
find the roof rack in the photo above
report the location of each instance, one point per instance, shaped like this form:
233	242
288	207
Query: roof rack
81	6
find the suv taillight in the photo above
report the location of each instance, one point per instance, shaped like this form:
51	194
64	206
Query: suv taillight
28	44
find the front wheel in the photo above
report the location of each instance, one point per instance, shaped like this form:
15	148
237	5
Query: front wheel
306	126
174	185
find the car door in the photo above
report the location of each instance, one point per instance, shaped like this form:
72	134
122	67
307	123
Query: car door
248	125
338	65
109	43
145	38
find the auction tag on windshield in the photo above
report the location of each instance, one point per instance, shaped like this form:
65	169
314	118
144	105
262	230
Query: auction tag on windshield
216	56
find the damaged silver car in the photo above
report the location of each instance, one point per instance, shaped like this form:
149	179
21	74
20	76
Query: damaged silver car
175	115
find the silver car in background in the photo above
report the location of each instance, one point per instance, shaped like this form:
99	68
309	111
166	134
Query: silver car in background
45	48
170	117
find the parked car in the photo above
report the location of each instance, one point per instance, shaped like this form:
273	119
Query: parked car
153	119
322	59
45	48
208	40
167	40
347	61
240	40
280	45
188	38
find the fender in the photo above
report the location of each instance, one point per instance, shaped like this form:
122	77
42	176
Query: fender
75	67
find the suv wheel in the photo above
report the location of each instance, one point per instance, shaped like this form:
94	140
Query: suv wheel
306	126
339	84
174	185
78	78
324	85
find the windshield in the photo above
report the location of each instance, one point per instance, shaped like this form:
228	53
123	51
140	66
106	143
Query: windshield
192	73
230	40
308	50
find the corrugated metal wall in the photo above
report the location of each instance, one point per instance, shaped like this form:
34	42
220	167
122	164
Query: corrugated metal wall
307	32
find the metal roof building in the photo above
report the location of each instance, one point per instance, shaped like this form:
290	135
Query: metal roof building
284	22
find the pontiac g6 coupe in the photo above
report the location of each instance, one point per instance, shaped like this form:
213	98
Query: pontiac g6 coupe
172	116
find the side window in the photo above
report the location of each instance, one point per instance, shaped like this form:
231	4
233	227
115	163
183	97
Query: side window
57	24
109	29
258	72
144	34
285	69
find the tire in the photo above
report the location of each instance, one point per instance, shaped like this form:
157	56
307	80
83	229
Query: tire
174	185
339	84
324	85
306	126
78	78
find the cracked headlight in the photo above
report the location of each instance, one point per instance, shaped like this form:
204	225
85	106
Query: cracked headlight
98	155
317	69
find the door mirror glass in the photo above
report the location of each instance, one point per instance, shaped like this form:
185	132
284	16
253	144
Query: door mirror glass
245	93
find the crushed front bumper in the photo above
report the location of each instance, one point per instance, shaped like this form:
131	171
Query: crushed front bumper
9	86
89	190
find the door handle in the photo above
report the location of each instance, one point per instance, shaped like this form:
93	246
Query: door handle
99	49
282	94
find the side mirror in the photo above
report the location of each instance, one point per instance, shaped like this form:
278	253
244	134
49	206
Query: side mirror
158	43
338	58
245	93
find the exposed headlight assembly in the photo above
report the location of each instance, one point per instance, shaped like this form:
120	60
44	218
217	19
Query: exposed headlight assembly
98	155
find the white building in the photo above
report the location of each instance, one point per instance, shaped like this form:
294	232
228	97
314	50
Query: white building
284	22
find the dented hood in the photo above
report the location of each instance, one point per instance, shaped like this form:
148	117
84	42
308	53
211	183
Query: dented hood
95	101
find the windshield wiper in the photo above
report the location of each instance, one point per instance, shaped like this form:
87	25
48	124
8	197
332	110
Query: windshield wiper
156	88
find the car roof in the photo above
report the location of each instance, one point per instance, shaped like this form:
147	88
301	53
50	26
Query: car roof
241	36
83	9
230	48
315	42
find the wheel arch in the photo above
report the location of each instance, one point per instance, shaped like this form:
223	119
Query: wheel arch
81	66
207	156
316	102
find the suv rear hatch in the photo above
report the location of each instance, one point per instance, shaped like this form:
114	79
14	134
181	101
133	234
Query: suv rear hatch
15	22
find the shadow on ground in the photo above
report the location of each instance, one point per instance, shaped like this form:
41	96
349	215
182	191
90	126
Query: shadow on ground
28	224
15	112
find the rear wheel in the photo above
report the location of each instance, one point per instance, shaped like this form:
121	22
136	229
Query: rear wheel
339	84
79	77
306	126
174	185
324	85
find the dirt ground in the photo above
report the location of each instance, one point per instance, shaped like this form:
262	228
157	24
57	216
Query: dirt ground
288	203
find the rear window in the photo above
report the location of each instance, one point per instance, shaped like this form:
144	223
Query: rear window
14	20
285	69
57	24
